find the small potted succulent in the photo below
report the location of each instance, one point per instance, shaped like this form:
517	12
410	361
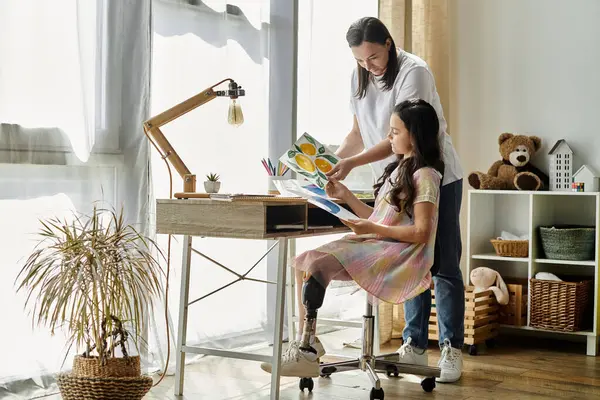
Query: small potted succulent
212	184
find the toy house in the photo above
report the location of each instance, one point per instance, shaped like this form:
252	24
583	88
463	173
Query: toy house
561	166
589	177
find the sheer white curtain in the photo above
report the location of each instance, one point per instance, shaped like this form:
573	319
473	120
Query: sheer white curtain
74	90
48	70
196	45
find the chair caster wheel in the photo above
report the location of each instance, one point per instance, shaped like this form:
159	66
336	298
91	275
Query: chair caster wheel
473	350
392	370
306	383
376	394
428	384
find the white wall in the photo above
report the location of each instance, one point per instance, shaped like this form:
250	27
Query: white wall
529	67
524	66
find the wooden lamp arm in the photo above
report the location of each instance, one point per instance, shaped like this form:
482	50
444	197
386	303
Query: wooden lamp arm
152	130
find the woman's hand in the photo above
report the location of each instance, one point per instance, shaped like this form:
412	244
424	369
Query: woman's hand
341	170
360	226
337	190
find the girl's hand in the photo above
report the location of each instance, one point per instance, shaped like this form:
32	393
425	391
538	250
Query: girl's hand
336	189
360	226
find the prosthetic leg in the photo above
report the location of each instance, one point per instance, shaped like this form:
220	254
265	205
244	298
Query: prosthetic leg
313	294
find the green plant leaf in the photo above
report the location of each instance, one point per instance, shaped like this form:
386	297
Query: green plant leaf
291	154
212	177
321	149
297	148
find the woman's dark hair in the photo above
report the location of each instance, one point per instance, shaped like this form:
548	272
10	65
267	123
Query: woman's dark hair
372	30
421	120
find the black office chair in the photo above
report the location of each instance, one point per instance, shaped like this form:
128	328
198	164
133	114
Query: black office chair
386	363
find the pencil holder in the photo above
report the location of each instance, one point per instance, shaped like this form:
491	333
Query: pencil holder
272	188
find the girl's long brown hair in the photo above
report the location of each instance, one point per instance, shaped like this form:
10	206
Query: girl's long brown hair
422	123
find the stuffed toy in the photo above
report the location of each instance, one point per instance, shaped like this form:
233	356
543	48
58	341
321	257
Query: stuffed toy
514	171
547	276
484	278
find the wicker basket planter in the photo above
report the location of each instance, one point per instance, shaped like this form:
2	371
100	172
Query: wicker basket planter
559	305
117	367
511	248
118	378
568	242
84	388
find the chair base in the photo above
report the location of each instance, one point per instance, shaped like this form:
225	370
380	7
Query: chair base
372	365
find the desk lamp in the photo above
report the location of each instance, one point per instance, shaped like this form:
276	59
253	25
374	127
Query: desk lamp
158	139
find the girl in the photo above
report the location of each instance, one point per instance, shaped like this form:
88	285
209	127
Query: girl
390	253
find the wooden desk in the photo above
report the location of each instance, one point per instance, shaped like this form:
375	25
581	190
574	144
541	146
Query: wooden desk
255	219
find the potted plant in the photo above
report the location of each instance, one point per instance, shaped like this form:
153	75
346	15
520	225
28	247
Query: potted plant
212	184
96	277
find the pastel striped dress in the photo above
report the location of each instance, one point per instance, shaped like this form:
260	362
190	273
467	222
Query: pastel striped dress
389	270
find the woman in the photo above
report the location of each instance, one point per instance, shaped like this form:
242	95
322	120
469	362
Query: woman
384	77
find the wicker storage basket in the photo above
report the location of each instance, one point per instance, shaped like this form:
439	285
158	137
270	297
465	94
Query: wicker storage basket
117	367
84	388
511	248
559	305
568	242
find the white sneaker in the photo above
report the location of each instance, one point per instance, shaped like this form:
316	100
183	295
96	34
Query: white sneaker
451	363
298	363
408	355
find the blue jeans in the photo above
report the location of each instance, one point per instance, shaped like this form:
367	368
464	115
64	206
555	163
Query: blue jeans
447	279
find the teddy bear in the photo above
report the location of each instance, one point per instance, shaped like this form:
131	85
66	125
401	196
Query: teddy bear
514	171
484	278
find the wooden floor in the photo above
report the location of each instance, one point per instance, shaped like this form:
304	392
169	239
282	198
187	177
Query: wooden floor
516	368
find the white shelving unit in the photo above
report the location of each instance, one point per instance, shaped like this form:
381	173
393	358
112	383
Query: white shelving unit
492	211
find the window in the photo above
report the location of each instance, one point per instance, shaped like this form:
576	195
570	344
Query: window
324	69
54	78
325	65
195	45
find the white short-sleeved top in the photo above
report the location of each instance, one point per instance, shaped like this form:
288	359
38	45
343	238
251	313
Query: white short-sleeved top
373	112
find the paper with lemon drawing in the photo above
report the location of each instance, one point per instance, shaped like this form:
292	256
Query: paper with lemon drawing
310	159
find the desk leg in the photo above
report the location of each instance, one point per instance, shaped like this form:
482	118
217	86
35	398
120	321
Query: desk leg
279	308
376	349
291	304
183	315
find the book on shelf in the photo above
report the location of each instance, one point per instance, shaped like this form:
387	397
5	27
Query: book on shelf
300	226
251	197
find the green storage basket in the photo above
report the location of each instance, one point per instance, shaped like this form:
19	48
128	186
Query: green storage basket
568	242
